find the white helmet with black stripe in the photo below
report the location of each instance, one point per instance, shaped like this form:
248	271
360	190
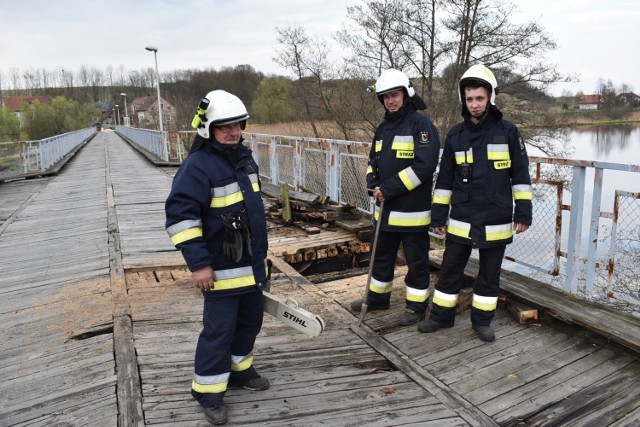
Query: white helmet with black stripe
479	75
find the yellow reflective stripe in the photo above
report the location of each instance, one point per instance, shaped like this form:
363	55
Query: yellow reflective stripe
241	363
238	282
185	235
211	383
400	145
522	192
409	178
380	287
442	197
445	300
417	295
209	388
498	152
234	278
498	232
459	228
460	157
369	170
484	303
221	202
256	186
378	146
409	219
376	212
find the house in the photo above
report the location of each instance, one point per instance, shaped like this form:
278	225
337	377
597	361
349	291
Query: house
590	102
629	99
144	112
14	103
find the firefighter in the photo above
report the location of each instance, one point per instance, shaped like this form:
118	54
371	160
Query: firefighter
403	158
484	169
215	216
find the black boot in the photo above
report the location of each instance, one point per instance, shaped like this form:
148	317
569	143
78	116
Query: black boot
357	306
431	325
485	333
216	415
410	317
254	384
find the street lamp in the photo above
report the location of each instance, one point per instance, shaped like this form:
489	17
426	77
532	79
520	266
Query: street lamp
118	116
155	57
126	113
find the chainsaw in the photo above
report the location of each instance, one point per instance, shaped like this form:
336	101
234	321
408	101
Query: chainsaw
293	316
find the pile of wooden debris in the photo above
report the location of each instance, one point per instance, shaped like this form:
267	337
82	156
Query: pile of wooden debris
312	212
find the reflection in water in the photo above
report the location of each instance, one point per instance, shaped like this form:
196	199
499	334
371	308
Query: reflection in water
606	138
615	143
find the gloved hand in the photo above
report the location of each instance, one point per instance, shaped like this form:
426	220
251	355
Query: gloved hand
233	242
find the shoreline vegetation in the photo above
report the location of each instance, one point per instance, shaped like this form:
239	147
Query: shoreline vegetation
329	130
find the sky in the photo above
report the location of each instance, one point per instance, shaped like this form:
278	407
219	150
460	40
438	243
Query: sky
596	39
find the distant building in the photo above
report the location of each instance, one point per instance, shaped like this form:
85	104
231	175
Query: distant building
629	99
590	102
14	103
144	111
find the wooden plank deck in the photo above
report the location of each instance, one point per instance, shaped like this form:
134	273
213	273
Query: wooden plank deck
99	324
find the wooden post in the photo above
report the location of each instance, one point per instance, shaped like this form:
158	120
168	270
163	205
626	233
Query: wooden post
286	204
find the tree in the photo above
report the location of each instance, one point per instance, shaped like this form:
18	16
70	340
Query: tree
272	103
293	56
62	115
9	126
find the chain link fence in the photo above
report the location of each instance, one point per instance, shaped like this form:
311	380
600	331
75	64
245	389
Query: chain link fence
576	242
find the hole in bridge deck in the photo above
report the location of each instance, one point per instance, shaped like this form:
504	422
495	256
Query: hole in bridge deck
331	262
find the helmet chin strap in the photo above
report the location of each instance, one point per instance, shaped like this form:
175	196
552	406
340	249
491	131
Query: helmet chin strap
481	115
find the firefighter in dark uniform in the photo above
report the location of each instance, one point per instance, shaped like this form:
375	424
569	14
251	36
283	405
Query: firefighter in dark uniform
483	171
215	216
403	158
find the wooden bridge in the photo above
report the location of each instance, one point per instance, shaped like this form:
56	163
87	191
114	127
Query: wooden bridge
100	320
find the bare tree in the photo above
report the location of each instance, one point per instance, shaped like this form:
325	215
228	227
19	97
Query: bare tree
292	55
375	37
14	76
485	34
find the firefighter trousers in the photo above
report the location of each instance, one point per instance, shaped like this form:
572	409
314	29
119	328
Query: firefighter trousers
485	286
225	346
416	252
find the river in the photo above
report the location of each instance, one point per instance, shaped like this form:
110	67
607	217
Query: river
619	144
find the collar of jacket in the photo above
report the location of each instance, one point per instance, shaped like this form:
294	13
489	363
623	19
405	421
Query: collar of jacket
406	108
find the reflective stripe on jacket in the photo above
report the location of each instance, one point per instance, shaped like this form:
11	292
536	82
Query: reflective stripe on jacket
209	184
480	211
403	158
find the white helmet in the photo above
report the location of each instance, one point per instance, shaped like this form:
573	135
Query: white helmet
391	80
223	108
481	75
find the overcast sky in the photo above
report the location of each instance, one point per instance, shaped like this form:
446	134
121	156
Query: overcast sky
596	39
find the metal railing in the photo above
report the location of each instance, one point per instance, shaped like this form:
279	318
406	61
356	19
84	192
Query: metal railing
578	242
152	141
29	157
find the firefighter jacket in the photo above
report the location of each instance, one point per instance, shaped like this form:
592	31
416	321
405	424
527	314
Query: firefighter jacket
214	181
403	158
484	169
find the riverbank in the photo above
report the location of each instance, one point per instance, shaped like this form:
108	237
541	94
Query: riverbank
328	129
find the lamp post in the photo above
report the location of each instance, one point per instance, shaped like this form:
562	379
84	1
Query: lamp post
113	117
118	114
126	113
155	57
